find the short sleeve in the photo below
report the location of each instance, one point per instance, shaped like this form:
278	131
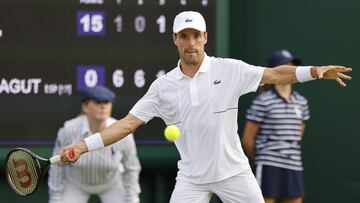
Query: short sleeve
305	112
257	111
248	77
148	106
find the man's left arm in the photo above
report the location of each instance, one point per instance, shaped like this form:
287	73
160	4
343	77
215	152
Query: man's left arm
286	74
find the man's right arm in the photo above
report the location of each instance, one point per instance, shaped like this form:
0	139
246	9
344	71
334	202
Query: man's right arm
120	129
143	111
108	136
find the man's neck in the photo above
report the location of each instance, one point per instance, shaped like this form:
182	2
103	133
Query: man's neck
190	69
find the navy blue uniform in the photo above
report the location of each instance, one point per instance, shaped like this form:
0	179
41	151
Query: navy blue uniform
278	147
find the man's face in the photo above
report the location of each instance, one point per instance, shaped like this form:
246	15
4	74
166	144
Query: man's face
190	44
97	110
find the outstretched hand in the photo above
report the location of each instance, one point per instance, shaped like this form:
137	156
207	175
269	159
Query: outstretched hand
334	73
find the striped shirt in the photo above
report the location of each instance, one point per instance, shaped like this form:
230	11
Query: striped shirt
278	139
97	170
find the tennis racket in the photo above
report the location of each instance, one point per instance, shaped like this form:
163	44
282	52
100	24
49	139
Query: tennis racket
24	169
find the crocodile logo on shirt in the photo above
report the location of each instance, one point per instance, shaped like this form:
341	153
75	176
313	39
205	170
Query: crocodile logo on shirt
217	82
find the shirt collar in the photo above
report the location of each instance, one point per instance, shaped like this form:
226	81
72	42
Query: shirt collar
204	67
273	89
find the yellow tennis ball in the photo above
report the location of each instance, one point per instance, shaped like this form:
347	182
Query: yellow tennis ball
172	132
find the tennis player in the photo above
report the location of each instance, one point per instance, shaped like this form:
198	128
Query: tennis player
200	95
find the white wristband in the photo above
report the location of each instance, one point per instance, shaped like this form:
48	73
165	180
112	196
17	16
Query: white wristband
303	73
94	142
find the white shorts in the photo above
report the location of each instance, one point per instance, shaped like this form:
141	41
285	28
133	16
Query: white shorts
241	188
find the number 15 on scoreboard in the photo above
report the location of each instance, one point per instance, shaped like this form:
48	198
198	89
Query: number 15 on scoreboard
90	23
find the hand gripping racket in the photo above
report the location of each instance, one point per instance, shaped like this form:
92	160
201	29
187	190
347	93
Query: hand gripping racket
24	169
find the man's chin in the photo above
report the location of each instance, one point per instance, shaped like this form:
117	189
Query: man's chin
191	61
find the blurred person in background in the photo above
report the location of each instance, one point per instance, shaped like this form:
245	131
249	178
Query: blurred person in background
112	173
272	137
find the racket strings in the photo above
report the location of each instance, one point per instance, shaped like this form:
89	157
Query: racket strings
22	172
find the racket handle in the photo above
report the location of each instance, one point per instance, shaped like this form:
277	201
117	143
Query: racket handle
71	153
55	159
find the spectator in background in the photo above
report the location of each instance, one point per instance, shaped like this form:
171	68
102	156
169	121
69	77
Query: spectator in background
272	135
112	172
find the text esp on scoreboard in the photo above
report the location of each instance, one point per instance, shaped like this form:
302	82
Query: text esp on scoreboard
53	50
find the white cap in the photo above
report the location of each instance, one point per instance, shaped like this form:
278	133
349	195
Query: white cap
189	19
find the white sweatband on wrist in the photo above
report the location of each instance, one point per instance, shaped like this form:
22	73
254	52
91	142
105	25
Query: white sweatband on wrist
94	142
303	73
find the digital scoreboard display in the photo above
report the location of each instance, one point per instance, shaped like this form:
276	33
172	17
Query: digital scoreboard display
51	50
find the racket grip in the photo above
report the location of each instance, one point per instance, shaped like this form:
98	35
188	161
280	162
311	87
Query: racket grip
55	159
71	153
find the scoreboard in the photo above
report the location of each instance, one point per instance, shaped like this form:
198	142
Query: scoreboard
51	50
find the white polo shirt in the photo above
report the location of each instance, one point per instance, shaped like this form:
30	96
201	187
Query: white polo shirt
205	109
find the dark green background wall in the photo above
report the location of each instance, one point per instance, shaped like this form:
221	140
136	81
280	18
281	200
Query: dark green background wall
321	32
318	31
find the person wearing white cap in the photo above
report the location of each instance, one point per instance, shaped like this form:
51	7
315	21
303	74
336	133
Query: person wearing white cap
200	95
